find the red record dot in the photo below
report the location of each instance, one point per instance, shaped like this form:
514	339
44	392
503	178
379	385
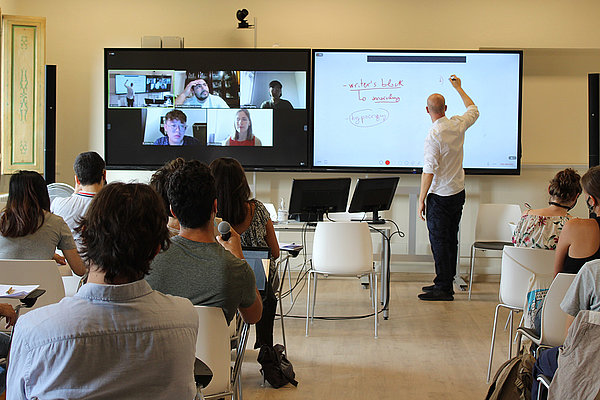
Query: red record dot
387	162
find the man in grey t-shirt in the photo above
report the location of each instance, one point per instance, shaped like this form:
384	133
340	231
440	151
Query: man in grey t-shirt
196	266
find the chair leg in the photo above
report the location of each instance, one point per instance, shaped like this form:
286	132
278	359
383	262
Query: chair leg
314	297
289	272
510	334
375	303
282	325
489	371
471	269
371	294
308	301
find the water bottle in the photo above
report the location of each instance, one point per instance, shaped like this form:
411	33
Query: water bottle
282	214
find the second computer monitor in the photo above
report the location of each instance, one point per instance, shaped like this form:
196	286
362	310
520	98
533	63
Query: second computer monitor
311	198
373	195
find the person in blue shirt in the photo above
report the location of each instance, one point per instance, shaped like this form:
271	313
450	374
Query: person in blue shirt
174	131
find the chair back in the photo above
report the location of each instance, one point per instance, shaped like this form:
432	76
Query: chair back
554	319
519	265
213	348
60	190
34	272
494	222
342	248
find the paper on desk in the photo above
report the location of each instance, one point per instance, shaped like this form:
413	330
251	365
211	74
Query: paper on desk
16	291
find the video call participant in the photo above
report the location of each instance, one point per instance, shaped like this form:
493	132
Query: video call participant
196	266
443	182
242	135
196	94
90	175
130	94
116	338
174	127
276	102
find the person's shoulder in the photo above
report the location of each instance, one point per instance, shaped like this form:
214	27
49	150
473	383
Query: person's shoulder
52	219
190	141
176	304
265	104
160	141
51	321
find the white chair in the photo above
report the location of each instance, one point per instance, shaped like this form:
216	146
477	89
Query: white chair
213	348
493	230
519	265
34	272
60	190
554	319
344	249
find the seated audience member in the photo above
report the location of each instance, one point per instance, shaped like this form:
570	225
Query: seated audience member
196	266
8	312
583	294
579	241
251	219
276	102
242	135
116	338
90	175
28	230
175	127
160	183
196	94
541	228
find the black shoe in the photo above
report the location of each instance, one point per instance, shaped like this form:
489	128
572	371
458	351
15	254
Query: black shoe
436	295
431	288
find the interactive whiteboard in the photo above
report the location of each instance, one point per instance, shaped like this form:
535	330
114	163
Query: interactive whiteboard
369	107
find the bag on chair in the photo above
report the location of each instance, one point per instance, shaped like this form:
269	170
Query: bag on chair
513	379
276	368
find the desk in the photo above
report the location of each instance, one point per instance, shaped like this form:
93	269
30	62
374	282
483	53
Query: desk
299	227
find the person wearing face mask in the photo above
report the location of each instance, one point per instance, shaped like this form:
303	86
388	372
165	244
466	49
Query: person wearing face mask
541	228
579	241
242	135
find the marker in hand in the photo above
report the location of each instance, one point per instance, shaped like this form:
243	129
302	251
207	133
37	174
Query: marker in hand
225	230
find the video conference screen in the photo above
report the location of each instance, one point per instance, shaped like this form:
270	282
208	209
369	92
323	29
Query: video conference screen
207	103
369	107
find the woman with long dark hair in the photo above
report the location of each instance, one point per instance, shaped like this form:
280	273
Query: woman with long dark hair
242	135
28	230
251	220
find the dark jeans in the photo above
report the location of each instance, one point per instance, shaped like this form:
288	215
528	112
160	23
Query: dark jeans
130	102
443	217
546	364
264	327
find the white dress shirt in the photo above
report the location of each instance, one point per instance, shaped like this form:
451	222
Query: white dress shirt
444	152
106	342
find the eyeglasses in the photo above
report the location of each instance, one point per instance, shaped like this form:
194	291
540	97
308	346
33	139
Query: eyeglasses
181	127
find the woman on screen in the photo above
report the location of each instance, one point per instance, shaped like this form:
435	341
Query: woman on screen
242	135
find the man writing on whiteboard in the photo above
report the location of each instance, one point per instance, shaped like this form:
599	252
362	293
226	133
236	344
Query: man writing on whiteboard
443	183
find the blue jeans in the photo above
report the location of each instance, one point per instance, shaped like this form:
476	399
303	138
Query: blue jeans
443	218
546	364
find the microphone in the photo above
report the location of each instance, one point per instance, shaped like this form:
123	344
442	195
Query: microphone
225	230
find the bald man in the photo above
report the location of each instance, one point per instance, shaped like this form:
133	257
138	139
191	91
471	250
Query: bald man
443	183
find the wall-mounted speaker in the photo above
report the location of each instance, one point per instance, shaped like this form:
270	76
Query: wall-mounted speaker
50	126
593	115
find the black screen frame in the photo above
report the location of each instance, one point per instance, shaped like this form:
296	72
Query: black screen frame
284	156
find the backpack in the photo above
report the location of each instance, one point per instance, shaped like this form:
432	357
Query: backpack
513	379
276	368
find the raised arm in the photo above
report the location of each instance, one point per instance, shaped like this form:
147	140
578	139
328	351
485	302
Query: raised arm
187	92
456	83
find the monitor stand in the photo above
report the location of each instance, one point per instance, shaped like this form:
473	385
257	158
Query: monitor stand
375	221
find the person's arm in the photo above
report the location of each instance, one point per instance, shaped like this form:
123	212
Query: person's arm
272	239
426	180
456	84
569	321
253	313
233	245
75	261
562	247
125	84
187	92
7	311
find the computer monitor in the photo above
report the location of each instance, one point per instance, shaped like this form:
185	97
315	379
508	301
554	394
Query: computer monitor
373	195
311	198
254	257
